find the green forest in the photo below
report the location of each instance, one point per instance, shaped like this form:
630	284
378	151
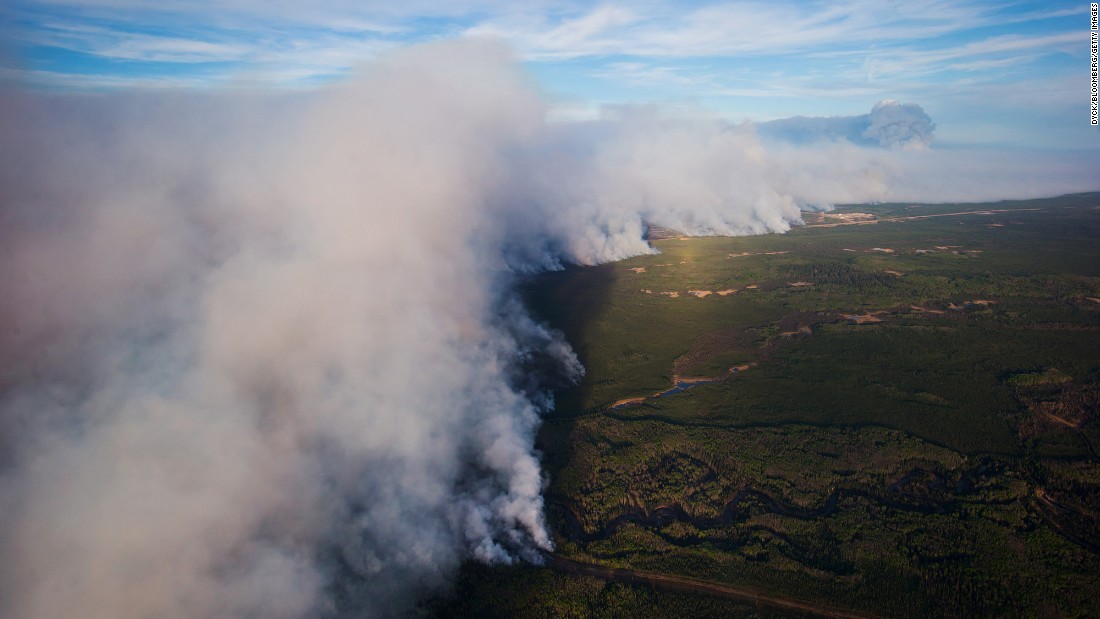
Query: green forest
893	410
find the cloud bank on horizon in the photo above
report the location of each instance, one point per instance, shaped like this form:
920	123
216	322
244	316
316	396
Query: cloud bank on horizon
261	354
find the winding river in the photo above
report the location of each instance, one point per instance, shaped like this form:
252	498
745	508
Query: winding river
738	508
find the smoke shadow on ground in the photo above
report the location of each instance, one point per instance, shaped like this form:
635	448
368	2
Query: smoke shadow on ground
568	300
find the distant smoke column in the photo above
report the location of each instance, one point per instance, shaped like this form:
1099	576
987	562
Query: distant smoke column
896	124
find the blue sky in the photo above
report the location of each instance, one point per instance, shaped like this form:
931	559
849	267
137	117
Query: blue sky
989	73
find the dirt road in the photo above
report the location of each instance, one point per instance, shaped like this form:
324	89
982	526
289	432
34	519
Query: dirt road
681	584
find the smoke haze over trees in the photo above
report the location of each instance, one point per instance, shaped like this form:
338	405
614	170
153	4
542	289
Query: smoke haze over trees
260	353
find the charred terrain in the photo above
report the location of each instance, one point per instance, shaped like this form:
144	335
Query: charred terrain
891	411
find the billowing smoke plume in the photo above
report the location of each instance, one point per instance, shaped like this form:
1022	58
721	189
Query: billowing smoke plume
890	124
266	370
897	124
259	354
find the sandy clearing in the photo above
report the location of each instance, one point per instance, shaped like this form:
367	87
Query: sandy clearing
965	304
897	273
853	216
1093	299
638	269
925	310
696	380
915	217
730	291
861	319
1057	419
693	380
671	294
751	287
799	284
680	383
749	253
1042	495
885	250
843	223
702	294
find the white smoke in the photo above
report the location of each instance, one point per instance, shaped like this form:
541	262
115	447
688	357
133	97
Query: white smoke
264	372
260	356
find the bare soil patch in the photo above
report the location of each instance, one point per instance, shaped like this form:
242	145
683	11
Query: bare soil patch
862	319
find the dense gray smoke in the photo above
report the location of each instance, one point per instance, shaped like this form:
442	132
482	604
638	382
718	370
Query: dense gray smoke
265	368
895	124
891	124
259	354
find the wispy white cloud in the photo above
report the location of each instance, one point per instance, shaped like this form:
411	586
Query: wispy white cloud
643	73
853	51
998	51
123	45
746	28
549	30
99	81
